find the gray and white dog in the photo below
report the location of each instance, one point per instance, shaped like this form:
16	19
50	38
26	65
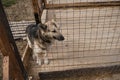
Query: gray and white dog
40	37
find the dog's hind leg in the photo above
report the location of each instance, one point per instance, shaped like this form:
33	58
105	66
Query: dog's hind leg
37	58
39	61
46	61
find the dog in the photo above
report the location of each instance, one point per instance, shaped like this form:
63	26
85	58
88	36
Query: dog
40	37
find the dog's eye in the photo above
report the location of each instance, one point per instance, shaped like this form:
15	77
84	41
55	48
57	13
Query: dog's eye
54	31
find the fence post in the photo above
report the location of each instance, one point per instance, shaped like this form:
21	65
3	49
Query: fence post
38	6
9	48
6	68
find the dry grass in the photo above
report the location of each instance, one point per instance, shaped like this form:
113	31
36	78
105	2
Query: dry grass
22	10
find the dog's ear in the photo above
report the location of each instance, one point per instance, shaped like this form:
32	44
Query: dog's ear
42	26
55	23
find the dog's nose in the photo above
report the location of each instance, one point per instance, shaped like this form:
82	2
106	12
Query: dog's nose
59	38
62	38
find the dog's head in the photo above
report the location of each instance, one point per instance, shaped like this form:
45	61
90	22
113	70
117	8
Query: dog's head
50	30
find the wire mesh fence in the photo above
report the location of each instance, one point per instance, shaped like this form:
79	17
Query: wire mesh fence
91	37
92	34
91	40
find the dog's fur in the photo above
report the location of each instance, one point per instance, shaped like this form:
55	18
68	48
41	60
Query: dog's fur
40	37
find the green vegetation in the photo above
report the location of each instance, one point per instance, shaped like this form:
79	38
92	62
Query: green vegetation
8	3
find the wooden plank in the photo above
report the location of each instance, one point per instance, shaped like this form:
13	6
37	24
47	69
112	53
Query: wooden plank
77	63
16	32
9	48
45	2
6	68
76	1
67	54
73	67
82	4
38	9
26	57
83	59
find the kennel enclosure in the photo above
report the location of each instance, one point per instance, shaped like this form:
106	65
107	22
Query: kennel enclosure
91	29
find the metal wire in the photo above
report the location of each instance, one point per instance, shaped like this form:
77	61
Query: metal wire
96	39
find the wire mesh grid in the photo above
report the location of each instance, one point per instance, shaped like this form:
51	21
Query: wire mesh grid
91	36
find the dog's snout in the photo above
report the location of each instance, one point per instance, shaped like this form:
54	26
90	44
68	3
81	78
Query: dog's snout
62	38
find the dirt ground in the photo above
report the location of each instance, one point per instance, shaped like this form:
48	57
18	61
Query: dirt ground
20	11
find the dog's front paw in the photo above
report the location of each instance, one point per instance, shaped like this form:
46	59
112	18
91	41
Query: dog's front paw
39	62
46	61
34	57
